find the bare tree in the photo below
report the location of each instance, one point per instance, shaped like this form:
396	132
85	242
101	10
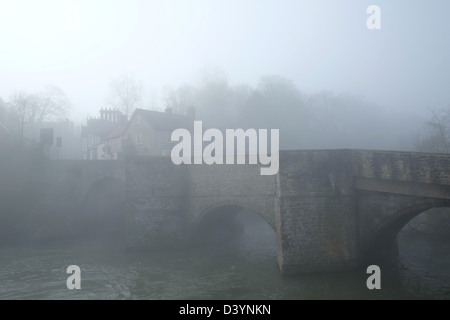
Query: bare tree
49	104
125	94
23	105
436	135
170	98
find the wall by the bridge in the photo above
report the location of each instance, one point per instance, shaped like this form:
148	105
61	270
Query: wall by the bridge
211	187
310	204
329	208
167	202
431	168
316	212
337	209
392	188
381	217
78	198
46	199
156	202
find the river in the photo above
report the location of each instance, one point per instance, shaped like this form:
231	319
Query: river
243	269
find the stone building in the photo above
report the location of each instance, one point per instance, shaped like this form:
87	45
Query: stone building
100	129
147	133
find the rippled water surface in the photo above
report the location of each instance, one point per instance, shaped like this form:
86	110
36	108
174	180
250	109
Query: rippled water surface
245	269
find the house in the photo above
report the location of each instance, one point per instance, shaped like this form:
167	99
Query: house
98	130
112	147
148	133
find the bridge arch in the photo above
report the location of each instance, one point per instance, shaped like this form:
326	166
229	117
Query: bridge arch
381	242
235	204
218	220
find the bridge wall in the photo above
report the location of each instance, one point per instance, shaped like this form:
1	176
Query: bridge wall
68	181
383	215
401	166
329	208
316	212
166	202
44	199
156	202
213	186
392	188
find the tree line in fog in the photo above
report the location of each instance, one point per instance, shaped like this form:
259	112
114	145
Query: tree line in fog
306	121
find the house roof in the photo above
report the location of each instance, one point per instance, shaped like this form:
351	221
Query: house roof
103	128
164	120
157	119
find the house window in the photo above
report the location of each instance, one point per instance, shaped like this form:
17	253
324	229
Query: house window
138	138
138	121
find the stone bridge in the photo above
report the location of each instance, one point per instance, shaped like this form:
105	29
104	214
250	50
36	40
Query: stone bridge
330	209
61	198
75	181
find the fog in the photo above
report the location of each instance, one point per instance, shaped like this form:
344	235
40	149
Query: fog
312	69
80	46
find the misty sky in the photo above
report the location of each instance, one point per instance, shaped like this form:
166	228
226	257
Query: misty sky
321	45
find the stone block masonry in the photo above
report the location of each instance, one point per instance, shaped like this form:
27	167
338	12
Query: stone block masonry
329	208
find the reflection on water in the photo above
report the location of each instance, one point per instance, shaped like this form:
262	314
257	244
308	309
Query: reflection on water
424	266
243	269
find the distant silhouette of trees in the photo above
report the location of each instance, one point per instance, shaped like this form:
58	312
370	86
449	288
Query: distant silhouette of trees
435	136
125	94
277	103
52	104
317	120
49	104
